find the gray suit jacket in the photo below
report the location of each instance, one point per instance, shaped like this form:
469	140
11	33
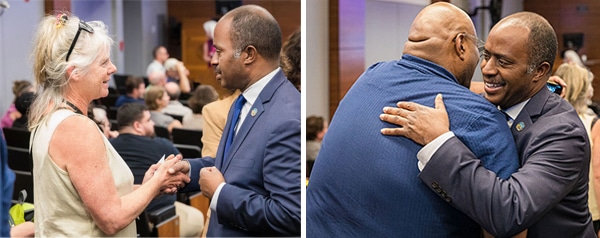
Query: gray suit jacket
548	195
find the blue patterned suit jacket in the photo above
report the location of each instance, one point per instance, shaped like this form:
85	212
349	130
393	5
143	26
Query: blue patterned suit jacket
365	184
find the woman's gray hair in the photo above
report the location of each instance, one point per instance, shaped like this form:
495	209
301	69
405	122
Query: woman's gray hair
53	37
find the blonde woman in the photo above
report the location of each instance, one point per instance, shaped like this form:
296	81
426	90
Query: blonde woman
579	93
82	186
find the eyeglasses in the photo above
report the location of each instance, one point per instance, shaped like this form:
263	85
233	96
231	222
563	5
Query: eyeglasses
82	26
479	43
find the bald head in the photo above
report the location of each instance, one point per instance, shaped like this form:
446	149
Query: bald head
435	35
434	26
173	90
157	78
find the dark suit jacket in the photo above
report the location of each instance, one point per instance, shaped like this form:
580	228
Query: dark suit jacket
548	195
262	169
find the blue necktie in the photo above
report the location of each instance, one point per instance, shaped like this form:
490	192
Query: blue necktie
239	103
509	119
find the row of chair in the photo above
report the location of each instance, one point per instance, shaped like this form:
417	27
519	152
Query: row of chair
187	141
17	144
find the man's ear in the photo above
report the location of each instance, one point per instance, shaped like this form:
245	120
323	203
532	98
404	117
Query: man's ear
459	46
541	71
137	126
251	54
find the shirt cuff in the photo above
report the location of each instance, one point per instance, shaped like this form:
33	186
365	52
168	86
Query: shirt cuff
429	149
213	201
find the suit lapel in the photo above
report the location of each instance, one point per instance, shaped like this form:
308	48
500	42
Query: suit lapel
531	112
253	115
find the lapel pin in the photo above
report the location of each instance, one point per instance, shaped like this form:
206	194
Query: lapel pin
253	112
520	126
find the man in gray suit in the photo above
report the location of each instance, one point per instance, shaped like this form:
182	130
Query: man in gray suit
548	195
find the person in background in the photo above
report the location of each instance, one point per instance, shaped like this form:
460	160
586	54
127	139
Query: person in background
579	94
571	56
135	91
139	148
156	79
254	185
204	94
98	115
215	118
548	194
364	184
316	127
175	107
23	103
208	47
160	54
156	100
178	73
82	186
291	59
19	87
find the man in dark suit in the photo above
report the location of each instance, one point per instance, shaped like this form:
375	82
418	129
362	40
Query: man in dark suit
255	186
358	187
548	195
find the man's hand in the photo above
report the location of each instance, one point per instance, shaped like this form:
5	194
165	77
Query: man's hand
417	122
210	179
180	167
179	172
561	82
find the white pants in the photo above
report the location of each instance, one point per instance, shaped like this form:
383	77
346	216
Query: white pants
191	220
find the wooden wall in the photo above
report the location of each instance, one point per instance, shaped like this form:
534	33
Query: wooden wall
567	16
193	14
346	47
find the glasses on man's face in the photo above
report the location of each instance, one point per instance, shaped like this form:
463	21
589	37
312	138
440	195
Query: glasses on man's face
479	43
82	26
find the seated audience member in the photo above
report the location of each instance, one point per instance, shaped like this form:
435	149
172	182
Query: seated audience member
175	107
135	91
214	115
178	73
156	79
139	148
204	94
290	59
160	54
22	104
98	115
157	99
19	87
316	127
571	56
